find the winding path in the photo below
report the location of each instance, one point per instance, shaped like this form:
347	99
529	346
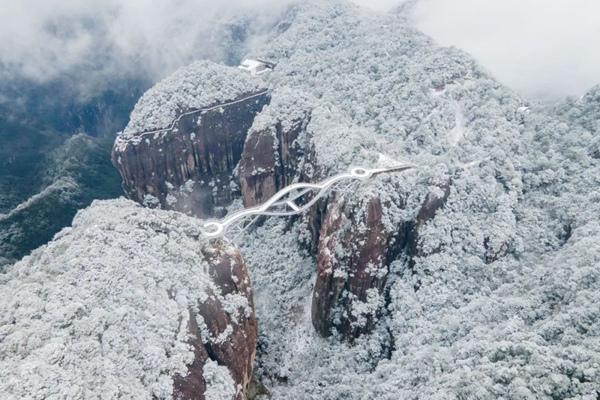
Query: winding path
196	111
283	203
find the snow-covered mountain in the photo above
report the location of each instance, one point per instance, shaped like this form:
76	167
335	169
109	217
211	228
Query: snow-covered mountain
475	275
115	306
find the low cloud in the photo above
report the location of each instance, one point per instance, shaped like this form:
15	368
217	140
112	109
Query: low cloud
40	40
542	49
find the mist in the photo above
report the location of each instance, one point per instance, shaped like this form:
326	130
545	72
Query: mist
544	50
42	40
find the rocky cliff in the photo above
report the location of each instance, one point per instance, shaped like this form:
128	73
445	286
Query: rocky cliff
433	275
277	149
271	140
186	137
217	336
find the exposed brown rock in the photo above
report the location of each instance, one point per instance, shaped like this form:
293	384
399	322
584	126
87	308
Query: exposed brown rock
352	246
237	352
354	251
257	170
433	202
200	152
492	255
272	158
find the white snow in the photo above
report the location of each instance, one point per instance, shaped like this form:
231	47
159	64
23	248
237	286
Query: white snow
102	310
506	299
195	86
458	131
219	383
501	304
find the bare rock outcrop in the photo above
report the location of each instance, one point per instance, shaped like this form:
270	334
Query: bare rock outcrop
276	149
236	349
127	303
356	244
355	248
184	157
350	263
433	202
278	139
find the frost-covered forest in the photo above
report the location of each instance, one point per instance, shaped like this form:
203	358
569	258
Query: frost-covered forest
503	303
500	302
102	310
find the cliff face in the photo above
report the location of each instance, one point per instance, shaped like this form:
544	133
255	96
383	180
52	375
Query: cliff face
189	166
443	278
353	259
230	275
186	136
473	276
351	238
275	152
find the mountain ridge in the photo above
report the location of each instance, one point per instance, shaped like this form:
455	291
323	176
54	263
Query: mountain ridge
472	276
495	203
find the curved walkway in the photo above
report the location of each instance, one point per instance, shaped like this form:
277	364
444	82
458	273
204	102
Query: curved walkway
283	202
196	111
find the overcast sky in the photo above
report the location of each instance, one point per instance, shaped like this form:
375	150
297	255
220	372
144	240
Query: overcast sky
544	49
42	39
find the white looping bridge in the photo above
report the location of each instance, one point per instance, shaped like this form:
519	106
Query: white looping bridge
283	203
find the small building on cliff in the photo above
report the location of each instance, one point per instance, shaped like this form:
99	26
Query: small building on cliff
256	67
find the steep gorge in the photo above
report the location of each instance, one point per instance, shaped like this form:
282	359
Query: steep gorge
264	137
